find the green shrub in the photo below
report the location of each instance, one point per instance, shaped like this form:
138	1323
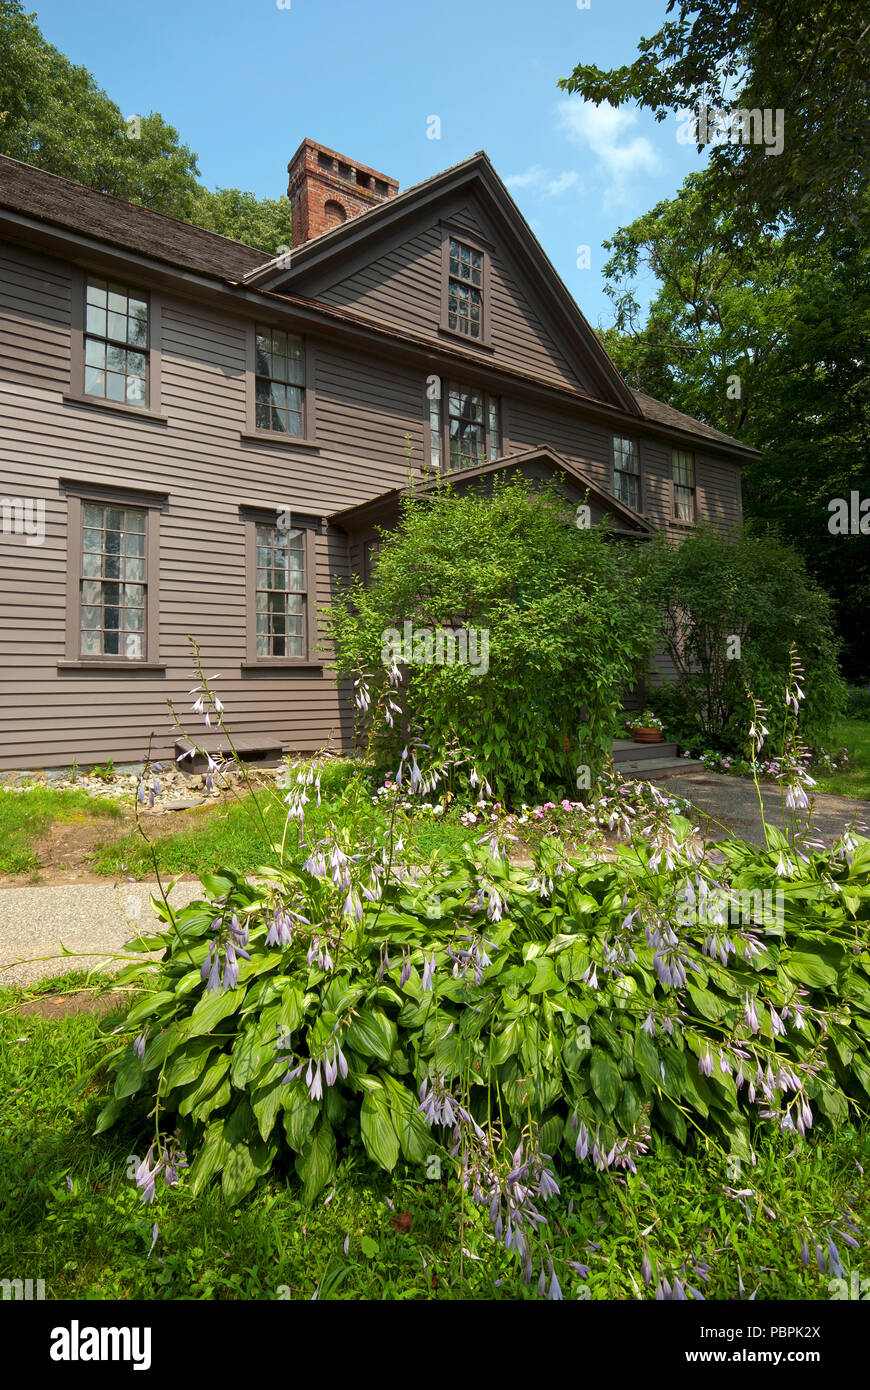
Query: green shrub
568	622
714	588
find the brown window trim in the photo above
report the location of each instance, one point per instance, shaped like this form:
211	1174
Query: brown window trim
77	395
251	515
476	243
444	434
640	475
680	521
308	438
76	492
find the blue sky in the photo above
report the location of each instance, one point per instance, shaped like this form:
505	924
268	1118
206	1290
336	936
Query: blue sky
244	81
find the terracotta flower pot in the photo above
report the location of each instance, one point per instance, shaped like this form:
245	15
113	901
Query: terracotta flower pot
647	735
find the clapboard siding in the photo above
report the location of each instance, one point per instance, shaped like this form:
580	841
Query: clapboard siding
370	412
402	287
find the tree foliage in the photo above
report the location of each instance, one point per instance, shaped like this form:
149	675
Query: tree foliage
791	327
715	588
53	114
810	61
567	620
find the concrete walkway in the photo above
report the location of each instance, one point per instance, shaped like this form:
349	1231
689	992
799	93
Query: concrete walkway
733	801
95	919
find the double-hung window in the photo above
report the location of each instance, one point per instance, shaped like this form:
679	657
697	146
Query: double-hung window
684	485
626	472
116	343
279	381
281	593
464	427
114	582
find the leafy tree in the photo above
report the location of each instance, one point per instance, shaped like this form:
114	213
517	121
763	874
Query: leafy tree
714	588
262	222
793	326
54	114
567	622
811	61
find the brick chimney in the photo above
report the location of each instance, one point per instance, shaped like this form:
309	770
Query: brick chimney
327	188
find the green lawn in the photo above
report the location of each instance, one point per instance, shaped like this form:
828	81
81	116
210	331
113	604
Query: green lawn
71	1215
235	837
851	778
25	817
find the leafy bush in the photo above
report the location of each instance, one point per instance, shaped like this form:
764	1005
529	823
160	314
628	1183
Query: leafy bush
568	622
714	588
577	1009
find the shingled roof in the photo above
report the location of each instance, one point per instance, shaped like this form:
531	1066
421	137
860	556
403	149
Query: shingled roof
663	414
31	191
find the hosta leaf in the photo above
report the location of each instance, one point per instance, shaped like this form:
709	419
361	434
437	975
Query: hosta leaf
300	1112
210	1157
212	1008
109	1114
244	1163
188	1062
809	969
414	1134
129	1075
152	1005
606	1081
372	1034
378	1132
316	1163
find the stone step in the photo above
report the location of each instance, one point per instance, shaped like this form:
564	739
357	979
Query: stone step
658	769
625	750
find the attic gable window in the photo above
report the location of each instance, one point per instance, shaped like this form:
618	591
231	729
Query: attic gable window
465	289
280	381
626	472
116	343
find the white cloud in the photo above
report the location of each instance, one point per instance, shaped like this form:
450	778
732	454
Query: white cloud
603	130
544	182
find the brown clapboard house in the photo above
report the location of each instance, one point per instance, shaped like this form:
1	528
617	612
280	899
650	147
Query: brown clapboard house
197	440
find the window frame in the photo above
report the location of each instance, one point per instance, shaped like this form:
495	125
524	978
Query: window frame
451	231
252	517
637	443
252	433
692	490
490	399
77	494
150	409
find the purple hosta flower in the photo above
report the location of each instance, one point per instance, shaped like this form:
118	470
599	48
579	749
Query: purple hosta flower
280	929
428	981
646	1269
750	1014
313	1080
353	907
554	1292
582	1270
705	1063
438	1104
315	864
338	867
167	1158
139	1045
776	1023
590	976
384	958
318	950
649	1025
362	695
406	969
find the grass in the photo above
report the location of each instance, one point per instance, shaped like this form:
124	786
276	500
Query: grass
70	1213
234	836
26	816
852	778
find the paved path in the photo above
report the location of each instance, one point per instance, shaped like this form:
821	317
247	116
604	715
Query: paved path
93	918
734	802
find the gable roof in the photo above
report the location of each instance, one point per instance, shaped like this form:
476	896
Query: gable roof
668	415
380	508
292	271
35	193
